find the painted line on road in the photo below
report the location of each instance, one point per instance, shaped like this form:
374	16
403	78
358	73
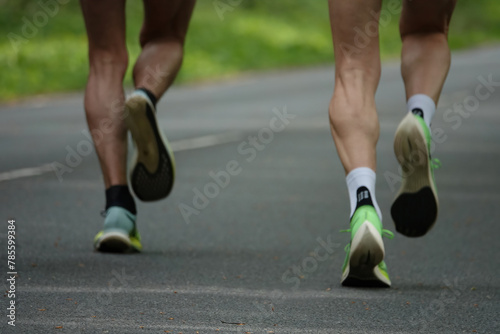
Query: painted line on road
205	290
206	141
97	323
25	172
177	146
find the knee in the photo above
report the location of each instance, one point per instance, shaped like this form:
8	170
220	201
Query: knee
171	36
108	63
351	118
171	40
353	101
437	32
358	74
429	42
355	87
420	18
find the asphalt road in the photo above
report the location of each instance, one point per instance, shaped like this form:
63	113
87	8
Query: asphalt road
262	253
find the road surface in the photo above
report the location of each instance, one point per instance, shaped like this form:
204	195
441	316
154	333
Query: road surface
258	251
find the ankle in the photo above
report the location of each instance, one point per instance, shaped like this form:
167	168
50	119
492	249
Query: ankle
119	195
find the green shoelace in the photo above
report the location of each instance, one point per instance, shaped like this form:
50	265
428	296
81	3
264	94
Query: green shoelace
385	233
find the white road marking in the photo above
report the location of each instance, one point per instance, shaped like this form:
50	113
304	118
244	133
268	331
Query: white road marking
98	323
206	141
25	172
177	146
205	290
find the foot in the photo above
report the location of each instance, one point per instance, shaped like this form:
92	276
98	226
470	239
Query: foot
415	207
364	265
119	234
152	170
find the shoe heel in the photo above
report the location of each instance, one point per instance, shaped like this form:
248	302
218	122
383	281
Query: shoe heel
152	170
142	134
113	242
412	154
415	207
367	248
410	147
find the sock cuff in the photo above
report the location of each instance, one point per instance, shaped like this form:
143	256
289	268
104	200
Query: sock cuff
119	195
357	180
426	106
355	173
421	101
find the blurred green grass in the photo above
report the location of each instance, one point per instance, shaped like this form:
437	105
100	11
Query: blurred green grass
256	35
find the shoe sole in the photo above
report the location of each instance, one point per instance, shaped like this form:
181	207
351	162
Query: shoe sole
114	242
366	253
415	207
153	166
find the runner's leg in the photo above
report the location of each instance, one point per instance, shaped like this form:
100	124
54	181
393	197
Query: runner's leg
162	40
104	106
355	130
152	172
425	57
353	116
424	67
104	97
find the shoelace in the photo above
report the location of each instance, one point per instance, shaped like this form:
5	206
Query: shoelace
435	163
385	233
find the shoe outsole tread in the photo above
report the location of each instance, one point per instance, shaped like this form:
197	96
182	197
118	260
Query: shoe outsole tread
408	216
114	242
415	208
366	252
153	167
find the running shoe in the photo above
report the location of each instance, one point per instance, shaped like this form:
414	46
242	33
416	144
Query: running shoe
415	208
119	234
152	170
364	264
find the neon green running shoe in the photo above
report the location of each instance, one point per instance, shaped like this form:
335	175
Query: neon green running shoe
415	208
119	234
152	168
364	263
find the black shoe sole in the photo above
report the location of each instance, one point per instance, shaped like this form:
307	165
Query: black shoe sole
147	185
414	214
360	283
415	207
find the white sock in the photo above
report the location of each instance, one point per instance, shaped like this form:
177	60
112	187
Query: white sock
424	103
362	177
